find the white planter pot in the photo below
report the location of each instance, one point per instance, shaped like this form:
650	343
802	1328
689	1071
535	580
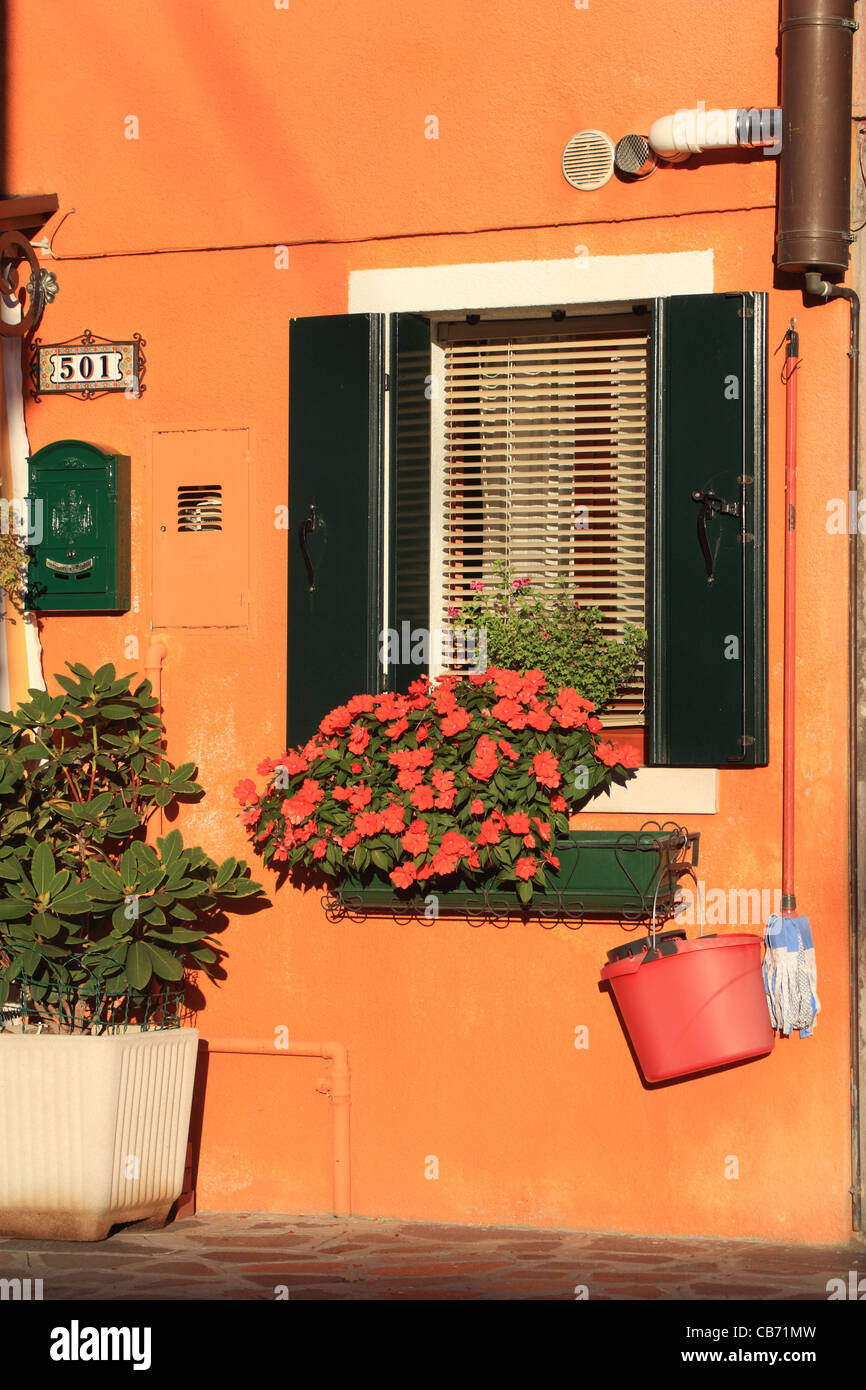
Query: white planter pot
93	1130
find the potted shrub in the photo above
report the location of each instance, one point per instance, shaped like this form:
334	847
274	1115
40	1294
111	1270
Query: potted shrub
99	933
462	789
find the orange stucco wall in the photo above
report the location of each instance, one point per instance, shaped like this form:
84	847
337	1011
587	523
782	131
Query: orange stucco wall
260	126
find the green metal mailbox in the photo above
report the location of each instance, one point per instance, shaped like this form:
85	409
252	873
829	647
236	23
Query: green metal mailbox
79	517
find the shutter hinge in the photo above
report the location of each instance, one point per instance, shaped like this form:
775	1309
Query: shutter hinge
744	479
746	740
387	381
744	537
746	313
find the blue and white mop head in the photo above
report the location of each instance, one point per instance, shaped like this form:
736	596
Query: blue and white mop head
790	975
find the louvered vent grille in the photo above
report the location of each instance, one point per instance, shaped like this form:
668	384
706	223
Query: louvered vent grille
200	508
545	468
588	160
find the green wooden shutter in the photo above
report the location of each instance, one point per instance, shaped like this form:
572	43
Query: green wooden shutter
336	384
706	686
409	606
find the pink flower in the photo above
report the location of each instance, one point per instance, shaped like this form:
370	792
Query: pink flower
477	585
520	583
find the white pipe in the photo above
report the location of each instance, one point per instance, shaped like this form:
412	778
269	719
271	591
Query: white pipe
689	132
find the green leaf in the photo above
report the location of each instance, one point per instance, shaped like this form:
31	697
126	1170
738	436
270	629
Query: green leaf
165	965
139	965
524	891
123	822
105	875
116	712
225	871
43	868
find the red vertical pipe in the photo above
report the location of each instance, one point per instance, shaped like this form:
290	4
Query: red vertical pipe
792	360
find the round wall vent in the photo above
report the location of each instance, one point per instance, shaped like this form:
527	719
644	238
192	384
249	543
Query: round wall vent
634	156
587	160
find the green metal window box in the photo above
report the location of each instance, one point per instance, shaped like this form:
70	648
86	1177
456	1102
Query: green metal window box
628	873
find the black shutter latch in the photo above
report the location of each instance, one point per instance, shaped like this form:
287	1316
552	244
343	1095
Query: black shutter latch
710	503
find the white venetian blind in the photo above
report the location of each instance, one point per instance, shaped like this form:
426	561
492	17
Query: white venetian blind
545	468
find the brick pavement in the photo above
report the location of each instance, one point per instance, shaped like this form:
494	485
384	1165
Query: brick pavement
252	1256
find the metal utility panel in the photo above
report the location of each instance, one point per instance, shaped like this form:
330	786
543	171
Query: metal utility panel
79	510
201	528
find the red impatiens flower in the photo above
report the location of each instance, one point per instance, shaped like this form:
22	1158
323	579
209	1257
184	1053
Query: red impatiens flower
250	817
369	822
539	719
545	765
489	832
422	798
506	748
336	721
543	828
416	840
518	823
486	759
409	777
594	725
444	863
361	704
558	803
395	730
606	753
510	712
506	683
629	757
403	876
293	762
455	722
529	841
455	844
359	797
477	807
319	849
359	740
245	791
525	868
394	818
551	859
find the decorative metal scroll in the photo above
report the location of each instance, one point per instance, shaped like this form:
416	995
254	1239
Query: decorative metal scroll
644	898
40	289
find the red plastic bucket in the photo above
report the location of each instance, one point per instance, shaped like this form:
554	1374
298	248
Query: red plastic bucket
688	1006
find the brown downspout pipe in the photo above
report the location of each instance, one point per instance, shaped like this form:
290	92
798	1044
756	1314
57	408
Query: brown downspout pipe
337	1055
814	221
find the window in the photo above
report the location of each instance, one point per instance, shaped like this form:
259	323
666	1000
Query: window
398	499
544	467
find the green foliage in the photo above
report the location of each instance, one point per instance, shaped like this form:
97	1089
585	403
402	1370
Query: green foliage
14	559
552	633
86	905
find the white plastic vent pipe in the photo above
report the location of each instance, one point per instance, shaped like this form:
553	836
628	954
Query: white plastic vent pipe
689	132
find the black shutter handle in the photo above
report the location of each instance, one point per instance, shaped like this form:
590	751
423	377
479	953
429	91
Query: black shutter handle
710	503
307	525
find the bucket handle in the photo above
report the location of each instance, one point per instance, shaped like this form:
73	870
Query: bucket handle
689	871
